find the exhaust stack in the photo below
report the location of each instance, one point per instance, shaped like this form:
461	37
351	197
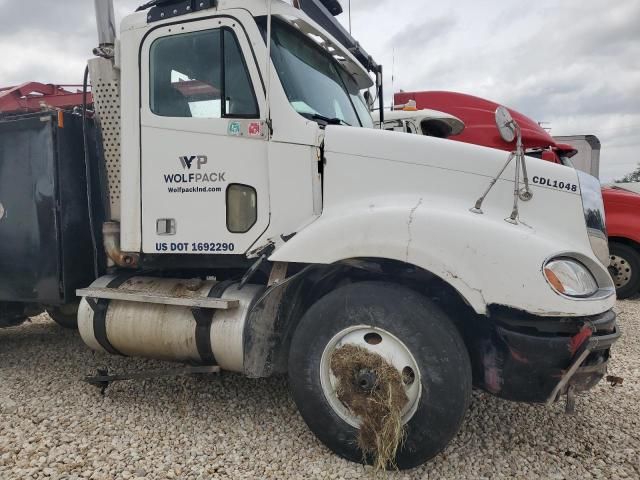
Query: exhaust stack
106	22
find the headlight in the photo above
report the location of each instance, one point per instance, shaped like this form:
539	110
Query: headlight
593	207
569	277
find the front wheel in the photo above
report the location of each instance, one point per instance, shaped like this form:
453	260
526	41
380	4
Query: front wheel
362	335
625	269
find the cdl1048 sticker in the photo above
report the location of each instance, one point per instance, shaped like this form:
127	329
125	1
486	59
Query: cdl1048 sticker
558	184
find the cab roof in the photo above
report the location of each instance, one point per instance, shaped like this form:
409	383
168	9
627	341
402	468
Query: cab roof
283	10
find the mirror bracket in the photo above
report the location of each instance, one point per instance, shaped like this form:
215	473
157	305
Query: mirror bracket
509	131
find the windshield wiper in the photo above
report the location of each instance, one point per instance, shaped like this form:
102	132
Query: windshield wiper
329	121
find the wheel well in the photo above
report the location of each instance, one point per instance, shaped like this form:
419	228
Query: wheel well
267	340
625	241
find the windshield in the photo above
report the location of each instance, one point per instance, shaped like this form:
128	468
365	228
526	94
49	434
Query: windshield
314	82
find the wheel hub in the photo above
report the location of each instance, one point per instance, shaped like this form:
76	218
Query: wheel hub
384	344
366	379
620	270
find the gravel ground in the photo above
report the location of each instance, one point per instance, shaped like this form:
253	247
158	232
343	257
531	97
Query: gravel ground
52	425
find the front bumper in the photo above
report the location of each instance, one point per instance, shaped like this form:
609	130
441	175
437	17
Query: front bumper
522	357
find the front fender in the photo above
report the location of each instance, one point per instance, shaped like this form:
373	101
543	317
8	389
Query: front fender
623	214
487	260
394	232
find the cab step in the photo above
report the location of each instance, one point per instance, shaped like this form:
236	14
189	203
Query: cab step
146	297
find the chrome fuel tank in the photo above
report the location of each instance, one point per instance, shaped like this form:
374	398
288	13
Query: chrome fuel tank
168	332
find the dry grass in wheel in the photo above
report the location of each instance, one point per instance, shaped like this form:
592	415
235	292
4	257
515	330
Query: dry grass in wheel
380	408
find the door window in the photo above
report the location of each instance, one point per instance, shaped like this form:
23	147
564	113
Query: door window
202	75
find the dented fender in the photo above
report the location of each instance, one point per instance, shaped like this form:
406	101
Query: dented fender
473	254
392	232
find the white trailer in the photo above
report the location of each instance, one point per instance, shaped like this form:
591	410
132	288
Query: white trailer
588	157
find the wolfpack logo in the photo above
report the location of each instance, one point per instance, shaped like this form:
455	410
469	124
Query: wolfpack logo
195	177
187	162
192	163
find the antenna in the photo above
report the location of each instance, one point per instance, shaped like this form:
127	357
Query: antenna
393	79
349	16
268	68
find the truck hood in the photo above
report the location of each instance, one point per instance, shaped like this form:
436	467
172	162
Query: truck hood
454	175
407	198
633	187
621	194
478	115
439	153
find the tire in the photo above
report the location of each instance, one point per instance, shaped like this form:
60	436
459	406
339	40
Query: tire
433	341
65	315
625	269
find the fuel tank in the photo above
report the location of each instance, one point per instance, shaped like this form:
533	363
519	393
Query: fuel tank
169	332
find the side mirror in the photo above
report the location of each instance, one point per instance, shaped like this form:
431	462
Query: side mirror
506	125
369	99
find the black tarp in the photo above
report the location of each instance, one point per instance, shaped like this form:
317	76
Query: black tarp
45	244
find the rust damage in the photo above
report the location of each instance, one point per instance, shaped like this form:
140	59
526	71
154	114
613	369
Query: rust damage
111	241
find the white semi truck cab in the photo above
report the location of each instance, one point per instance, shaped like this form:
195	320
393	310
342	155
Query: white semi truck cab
256	221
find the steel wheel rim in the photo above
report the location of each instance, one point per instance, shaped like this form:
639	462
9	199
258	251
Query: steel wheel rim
622	271
391	348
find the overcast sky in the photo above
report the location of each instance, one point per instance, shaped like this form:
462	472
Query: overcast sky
574	66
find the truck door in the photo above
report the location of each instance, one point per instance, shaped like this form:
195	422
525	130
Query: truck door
204	174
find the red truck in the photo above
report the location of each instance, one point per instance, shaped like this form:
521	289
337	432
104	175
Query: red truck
622	206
